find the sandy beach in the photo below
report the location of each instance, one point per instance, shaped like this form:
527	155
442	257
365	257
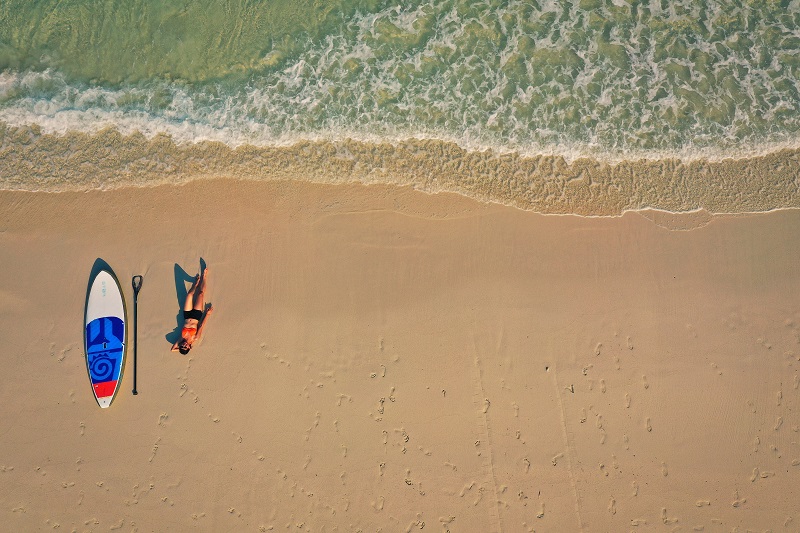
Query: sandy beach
382	359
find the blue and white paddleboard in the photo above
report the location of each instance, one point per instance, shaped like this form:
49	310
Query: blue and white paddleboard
105	333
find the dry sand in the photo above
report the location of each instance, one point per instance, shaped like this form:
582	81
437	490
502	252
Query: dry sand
386	360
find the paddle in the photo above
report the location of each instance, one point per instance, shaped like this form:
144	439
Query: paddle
137	285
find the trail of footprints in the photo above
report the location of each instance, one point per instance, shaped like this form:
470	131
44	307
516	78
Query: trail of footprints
184	388
600	385
395	439
399	439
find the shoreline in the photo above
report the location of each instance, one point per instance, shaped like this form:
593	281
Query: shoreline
382	358
544	184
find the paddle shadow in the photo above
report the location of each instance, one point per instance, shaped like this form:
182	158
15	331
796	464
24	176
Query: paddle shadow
181	279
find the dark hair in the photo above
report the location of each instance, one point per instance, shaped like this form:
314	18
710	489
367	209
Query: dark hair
183	350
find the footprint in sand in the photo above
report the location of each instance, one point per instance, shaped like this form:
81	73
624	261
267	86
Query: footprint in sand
342	397
155	450
466	489
774	448
664	518
378	504
751	405
63	354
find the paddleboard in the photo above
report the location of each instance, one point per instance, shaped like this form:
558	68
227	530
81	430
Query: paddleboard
104	333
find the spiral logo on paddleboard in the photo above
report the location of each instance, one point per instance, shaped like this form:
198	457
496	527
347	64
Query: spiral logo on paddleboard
102	368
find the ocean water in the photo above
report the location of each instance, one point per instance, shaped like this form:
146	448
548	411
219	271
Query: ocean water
582	106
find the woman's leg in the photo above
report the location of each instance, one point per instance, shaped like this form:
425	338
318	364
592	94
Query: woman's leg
187	305
199	301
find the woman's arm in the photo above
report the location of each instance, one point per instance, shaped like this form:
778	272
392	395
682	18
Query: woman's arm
203	322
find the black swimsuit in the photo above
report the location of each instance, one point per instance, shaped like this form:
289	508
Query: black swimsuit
194	313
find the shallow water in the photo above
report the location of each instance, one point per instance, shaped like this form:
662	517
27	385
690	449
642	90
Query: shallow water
606	81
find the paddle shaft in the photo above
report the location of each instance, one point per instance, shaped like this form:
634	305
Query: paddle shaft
135	341
137	284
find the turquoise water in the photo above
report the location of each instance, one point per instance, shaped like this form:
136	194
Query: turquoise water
605	79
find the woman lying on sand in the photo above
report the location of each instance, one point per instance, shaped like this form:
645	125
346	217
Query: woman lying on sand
194	320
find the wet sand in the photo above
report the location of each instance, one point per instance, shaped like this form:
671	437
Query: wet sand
741	182
382	359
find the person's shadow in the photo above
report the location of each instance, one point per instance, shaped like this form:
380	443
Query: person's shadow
181	279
